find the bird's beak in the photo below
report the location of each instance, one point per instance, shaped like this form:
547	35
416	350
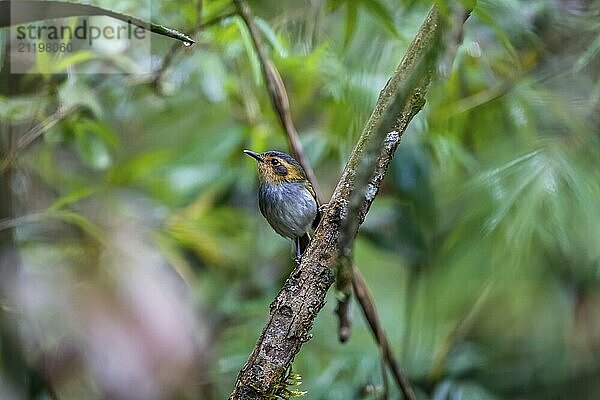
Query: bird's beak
254	155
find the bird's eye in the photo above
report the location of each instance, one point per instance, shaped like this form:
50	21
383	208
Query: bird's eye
274	162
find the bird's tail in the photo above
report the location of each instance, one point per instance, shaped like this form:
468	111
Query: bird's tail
303	243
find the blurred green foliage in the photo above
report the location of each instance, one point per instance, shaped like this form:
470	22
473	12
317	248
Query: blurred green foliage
481	250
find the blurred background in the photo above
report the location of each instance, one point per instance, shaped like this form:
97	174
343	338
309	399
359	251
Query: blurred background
135	262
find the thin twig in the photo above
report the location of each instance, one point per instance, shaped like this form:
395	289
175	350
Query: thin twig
278	96
7	223
454	36
366	301
411	288
458	332
34	133
344	289
384	378
218	19
174	49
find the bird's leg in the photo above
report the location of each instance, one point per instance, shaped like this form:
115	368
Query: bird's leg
297	258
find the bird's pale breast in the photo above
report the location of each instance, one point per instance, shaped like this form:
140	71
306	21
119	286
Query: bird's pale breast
289	207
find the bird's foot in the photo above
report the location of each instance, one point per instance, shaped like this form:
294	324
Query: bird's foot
297	259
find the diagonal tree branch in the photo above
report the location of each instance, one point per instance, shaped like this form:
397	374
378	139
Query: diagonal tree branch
27	11
293	311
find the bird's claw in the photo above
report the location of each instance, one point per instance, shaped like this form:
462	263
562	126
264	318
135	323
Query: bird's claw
323	208
297	259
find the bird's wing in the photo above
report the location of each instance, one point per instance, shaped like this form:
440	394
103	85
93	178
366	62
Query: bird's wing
311	190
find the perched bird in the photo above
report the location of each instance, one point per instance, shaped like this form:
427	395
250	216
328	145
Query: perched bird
285	197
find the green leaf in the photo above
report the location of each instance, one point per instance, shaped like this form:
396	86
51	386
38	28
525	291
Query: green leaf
488	18
93	152
249	46
457	390
351	19
136	167
72	197
76	93
80	221
21	108
92	149
588	56
271	36
215	7
173	254
333	5
382	14
103	131
44	62
78	57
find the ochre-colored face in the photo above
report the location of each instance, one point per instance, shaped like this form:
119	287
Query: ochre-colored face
276	167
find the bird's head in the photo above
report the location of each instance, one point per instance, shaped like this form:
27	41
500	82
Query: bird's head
277	167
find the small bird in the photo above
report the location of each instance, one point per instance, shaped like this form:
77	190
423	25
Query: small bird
286	198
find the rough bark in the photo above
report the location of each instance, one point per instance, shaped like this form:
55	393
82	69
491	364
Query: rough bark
295	308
